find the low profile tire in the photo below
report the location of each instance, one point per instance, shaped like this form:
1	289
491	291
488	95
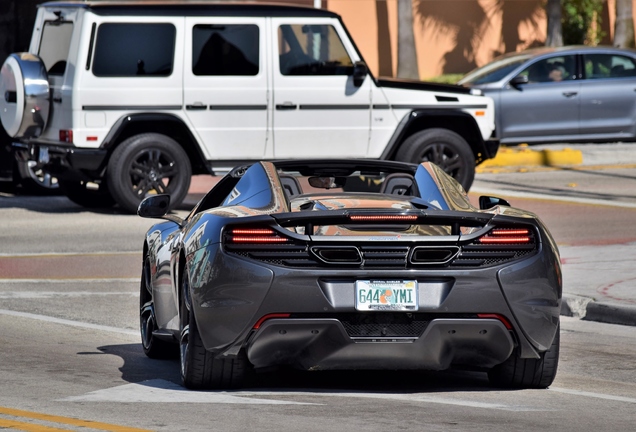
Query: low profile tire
199	369
522	373
153	347
146	164
87	195
445	149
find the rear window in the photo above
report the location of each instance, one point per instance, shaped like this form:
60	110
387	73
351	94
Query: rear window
129	50
54	45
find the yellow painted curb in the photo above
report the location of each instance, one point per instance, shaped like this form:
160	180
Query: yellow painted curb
523	156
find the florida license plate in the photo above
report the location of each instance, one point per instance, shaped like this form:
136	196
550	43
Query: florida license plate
392	295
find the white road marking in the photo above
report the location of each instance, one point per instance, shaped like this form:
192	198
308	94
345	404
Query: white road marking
57	294
67	280
61	254
162	391
594	395
518	194
165	391
413	398
69	322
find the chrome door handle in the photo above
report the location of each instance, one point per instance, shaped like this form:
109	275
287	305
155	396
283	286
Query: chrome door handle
570	94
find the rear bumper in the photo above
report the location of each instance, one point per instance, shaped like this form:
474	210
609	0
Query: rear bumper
66	162
324	344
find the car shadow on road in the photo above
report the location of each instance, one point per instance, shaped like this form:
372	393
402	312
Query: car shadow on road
141	370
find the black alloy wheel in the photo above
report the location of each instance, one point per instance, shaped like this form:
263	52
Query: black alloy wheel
445	149
148	164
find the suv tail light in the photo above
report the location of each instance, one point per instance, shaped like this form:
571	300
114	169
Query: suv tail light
66	135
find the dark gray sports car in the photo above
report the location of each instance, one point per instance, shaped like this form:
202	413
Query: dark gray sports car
339	264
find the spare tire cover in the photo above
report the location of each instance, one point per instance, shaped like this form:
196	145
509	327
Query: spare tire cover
24	95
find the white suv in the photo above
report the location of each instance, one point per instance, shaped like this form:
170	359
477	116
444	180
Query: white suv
120	99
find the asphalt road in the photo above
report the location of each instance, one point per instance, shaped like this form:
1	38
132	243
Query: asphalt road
70	356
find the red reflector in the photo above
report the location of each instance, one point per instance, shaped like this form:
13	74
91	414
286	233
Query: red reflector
66	135
91	138
269	316
382	218
507	240
501	318
243	239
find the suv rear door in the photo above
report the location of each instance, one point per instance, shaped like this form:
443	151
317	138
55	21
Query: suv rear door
134	67
318	110
226	85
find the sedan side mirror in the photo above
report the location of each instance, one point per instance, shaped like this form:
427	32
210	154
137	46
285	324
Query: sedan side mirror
519	80
486	202
360	72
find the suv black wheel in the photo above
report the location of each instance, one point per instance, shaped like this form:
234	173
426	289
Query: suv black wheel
445	149
145	164
87	194
33	180
518	372
152	346
199	368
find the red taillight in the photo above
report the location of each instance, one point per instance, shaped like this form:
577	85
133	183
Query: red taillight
260	322
383	218
501	318
506	236
66	135
255	235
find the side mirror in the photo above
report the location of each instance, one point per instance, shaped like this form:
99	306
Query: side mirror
486	202
519	80
155	206
360	72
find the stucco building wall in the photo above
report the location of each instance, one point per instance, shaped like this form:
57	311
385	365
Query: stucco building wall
451	36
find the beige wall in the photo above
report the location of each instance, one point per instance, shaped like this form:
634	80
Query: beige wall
452	36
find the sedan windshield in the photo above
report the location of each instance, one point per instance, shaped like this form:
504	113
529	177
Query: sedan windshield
494	71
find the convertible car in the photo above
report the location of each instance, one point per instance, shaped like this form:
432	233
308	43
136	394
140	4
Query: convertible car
334	264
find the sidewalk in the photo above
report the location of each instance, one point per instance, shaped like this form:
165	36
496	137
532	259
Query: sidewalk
587	293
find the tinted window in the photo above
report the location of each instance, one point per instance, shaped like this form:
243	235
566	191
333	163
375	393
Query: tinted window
312	50
560	68
127	50
225	50
54	46
608	66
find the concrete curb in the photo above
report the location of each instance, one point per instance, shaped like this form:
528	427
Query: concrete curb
522	155
587	309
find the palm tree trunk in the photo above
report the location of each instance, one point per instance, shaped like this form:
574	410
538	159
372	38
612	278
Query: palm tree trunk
555	35
407	56
624	27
